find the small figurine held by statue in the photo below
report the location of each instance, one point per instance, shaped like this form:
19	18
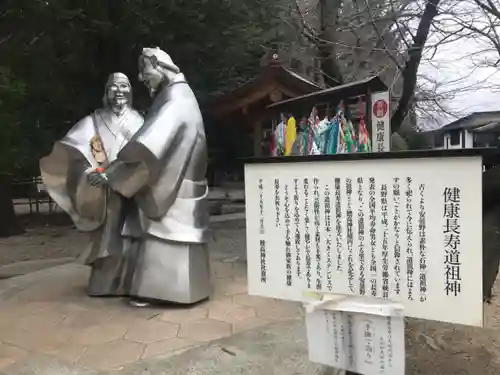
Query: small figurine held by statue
139	187
97	150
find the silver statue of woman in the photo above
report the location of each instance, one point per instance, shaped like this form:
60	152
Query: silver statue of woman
158	177
70	175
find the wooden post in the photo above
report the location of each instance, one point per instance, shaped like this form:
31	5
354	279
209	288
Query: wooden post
257	139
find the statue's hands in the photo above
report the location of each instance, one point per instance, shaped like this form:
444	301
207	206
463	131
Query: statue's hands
96	179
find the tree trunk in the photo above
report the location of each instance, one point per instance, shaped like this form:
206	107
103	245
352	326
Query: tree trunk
10	224
410	70
329	13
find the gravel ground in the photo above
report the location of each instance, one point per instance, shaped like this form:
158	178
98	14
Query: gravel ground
42	243
433	348
436	348
44	240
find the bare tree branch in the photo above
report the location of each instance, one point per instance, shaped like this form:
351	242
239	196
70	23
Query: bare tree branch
411	68
375	28
310	30
388	38
490	8
329	12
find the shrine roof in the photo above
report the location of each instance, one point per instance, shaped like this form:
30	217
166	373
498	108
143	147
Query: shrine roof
273	77
345	91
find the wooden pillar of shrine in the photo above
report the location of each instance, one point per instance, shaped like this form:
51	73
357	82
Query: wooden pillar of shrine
257	139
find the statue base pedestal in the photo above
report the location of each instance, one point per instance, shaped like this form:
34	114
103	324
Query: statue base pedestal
172	272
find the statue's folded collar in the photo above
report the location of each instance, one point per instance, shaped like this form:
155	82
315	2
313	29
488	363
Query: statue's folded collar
179	78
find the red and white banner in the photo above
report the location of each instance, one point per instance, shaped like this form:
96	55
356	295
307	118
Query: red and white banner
381	122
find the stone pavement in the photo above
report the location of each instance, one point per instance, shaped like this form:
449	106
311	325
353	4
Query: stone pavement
47	313
49	327
276	349
22	268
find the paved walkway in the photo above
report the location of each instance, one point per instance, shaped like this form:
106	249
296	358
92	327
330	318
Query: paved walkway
49	327
47	313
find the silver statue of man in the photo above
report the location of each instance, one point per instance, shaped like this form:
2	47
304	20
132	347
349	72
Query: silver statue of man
71	174
163	169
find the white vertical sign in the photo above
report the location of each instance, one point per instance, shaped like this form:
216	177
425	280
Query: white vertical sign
362	343
381	121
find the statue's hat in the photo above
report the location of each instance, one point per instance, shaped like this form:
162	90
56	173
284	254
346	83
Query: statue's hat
116	78
160	58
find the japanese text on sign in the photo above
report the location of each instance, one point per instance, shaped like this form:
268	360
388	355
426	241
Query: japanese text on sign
451	232
358	342
367	234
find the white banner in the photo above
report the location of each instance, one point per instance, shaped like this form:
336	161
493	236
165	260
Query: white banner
405	230
362	343
381	121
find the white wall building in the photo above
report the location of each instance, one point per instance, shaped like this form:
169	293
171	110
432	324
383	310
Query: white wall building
479	129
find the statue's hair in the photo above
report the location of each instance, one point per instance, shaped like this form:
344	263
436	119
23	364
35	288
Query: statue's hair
113	77
160	58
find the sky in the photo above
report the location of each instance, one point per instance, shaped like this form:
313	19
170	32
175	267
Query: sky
473	88
455	66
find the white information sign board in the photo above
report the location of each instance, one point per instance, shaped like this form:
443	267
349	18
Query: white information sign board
361	343
407	230
381	121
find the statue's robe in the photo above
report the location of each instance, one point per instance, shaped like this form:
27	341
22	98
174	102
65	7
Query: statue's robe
163	169
111	219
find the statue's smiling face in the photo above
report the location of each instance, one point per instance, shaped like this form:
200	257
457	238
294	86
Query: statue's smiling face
149	75
118	93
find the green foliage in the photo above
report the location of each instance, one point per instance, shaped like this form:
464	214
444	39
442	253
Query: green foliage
56	55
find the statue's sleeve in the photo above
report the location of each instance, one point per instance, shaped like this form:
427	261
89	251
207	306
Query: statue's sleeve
64	173
151	167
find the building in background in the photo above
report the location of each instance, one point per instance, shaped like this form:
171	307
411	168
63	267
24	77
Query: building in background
479	129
